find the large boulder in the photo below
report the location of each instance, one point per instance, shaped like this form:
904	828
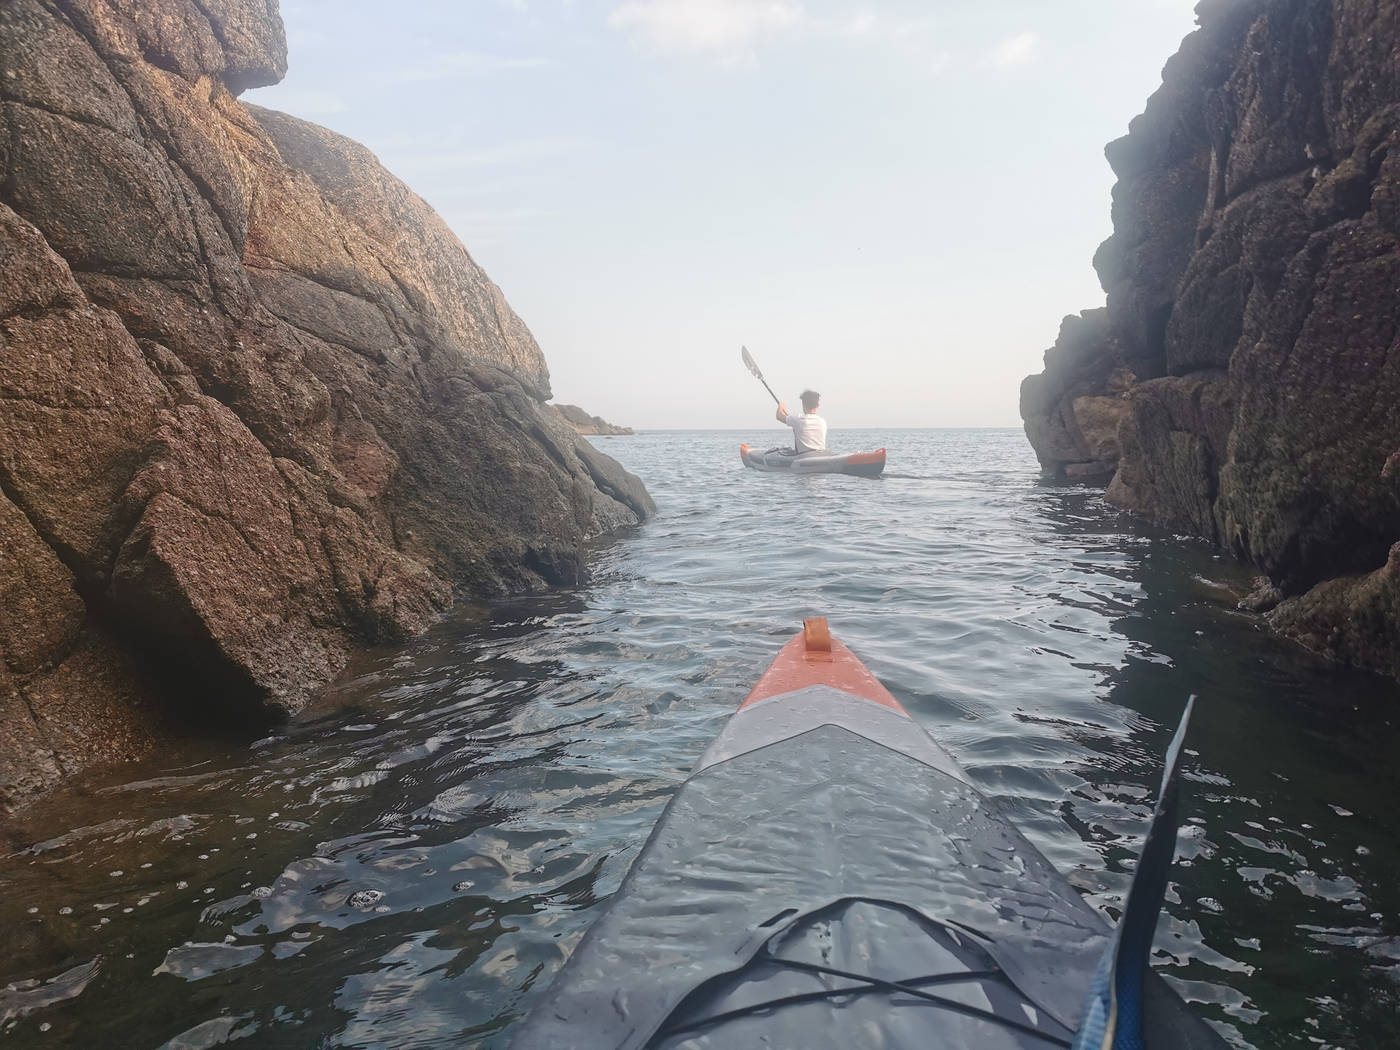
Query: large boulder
258	405
1251	281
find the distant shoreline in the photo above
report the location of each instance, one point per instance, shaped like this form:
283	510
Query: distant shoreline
779	430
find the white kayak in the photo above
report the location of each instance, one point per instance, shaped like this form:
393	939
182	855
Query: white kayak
862	464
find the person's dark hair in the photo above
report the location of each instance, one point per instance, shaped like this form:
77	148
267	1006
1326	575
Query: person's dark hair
810	400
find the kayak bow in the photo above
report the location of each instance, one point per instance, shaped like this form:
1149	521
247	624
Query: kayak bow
828	877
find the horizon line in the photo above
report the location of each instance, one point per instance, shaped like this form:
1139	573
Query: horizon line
779	430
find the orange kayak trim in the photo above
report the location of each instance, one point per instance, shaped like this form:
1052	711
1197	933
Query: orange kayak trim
816	658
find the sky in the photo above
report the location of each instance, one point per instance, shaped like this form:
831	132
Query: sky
892	202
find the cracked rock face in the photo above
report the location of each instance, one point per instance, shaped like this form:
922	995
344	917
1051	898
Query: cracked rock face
1253	281
258	406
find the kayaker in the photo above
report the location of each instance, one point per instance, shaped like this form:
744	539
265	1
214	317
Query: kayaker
808	429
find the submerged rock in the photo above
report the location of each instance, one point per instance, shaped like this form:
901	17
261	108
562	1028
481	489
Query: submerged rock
1252	283
258	406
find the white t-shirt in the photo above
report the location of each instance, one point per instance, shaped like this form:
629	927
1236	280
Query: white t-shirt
808	431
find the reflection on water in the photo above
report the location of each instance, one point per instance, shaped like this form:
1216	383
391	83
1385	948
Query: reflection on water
409	866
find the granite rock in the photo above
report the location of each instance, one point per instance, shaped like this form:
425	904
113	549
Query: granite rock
258	405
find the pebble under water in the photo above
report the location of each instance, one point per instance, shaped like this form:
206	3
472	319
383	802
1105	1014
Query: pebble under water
410	863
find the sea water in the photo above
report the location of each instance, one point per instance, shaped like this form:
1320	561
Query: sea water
410	863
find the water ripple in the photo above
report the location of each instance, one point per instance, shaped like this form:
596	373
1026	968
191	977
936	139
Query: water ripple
410	864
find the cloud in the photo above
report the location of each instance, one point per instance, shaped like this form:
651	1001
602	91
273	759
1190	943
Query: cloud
861	24
867	24
1016	51
918	38
454	65
728	28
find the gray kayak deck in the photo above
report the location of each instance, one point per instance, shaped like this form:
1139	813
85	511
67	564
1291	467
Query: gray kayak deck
866	856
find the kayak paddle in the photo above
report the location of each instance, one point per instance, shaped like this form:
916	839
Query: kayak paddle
1114	1015
752	366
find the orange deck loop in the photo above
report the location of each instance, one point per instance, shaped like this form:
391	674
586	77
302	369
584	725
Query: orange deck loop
817	637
